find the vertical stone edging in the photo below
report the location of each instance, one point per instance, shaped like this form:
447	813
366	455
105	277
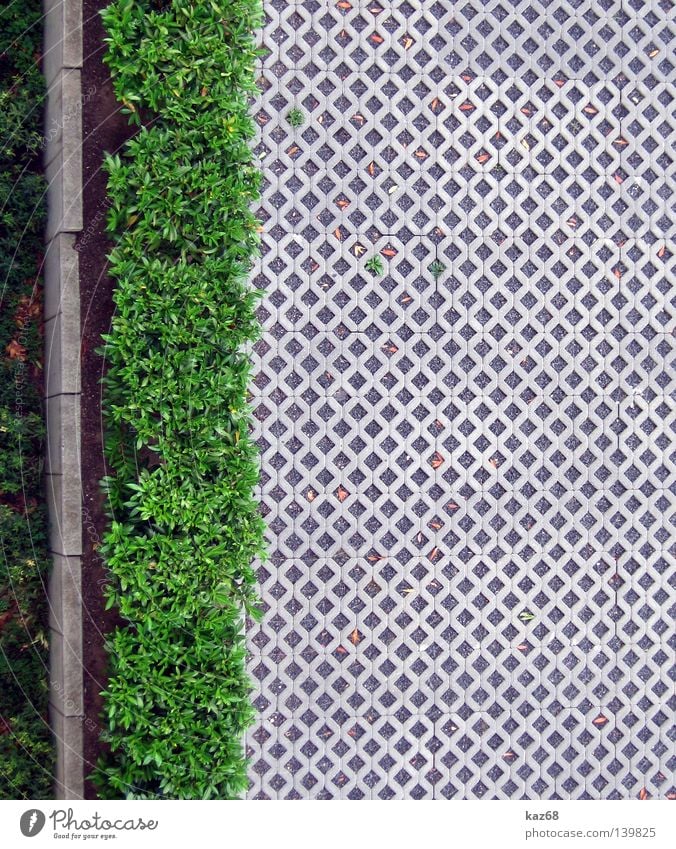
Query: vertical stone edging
62	66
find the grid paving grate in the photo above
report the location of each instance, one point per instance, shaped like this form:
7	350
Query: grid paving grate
467	465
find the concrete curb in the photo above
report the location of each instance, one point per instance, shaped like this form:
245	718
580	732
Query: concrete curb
63	164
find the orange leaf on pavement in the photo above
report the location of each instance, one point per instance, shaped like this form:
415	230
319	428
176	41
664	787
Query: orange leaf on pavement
437	460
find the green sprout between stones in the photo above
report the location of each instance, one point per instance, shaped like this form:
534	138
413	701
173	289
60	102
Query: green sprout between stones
296	117
437	268
375	266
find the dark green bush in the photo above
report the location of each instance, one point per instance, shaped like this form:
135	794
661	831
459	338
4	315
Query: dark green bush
185	526
25	745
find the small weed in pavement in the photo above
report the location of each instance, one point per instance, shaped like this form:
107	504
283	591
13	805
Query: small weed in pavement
375	266
296	118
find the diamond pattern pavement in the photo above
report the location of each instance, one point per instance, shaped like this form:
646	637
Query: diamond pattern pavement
467	460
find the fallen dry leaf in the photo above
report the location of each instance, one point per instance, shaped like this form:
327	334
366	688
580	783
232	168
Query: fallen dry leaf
27	309
16	351
355	637
437	460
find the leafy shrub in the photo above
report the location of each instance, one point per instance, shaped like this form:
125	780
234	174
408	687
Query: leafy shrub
25	744
184	526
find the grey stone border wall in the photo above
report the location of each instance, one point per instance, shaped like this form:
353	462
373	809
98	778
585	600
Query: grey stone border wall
63	162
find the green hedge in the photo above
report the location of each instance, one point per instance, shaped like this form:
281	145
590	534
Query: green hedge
184	526
25	744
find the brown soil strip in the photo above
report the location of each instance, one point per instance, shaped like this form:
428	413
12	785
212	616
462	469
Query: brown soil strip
104	129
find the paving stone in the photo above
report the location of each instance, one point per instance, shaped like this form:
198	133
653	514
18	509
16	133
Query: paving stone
63	36
62	344
61	272
67	731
